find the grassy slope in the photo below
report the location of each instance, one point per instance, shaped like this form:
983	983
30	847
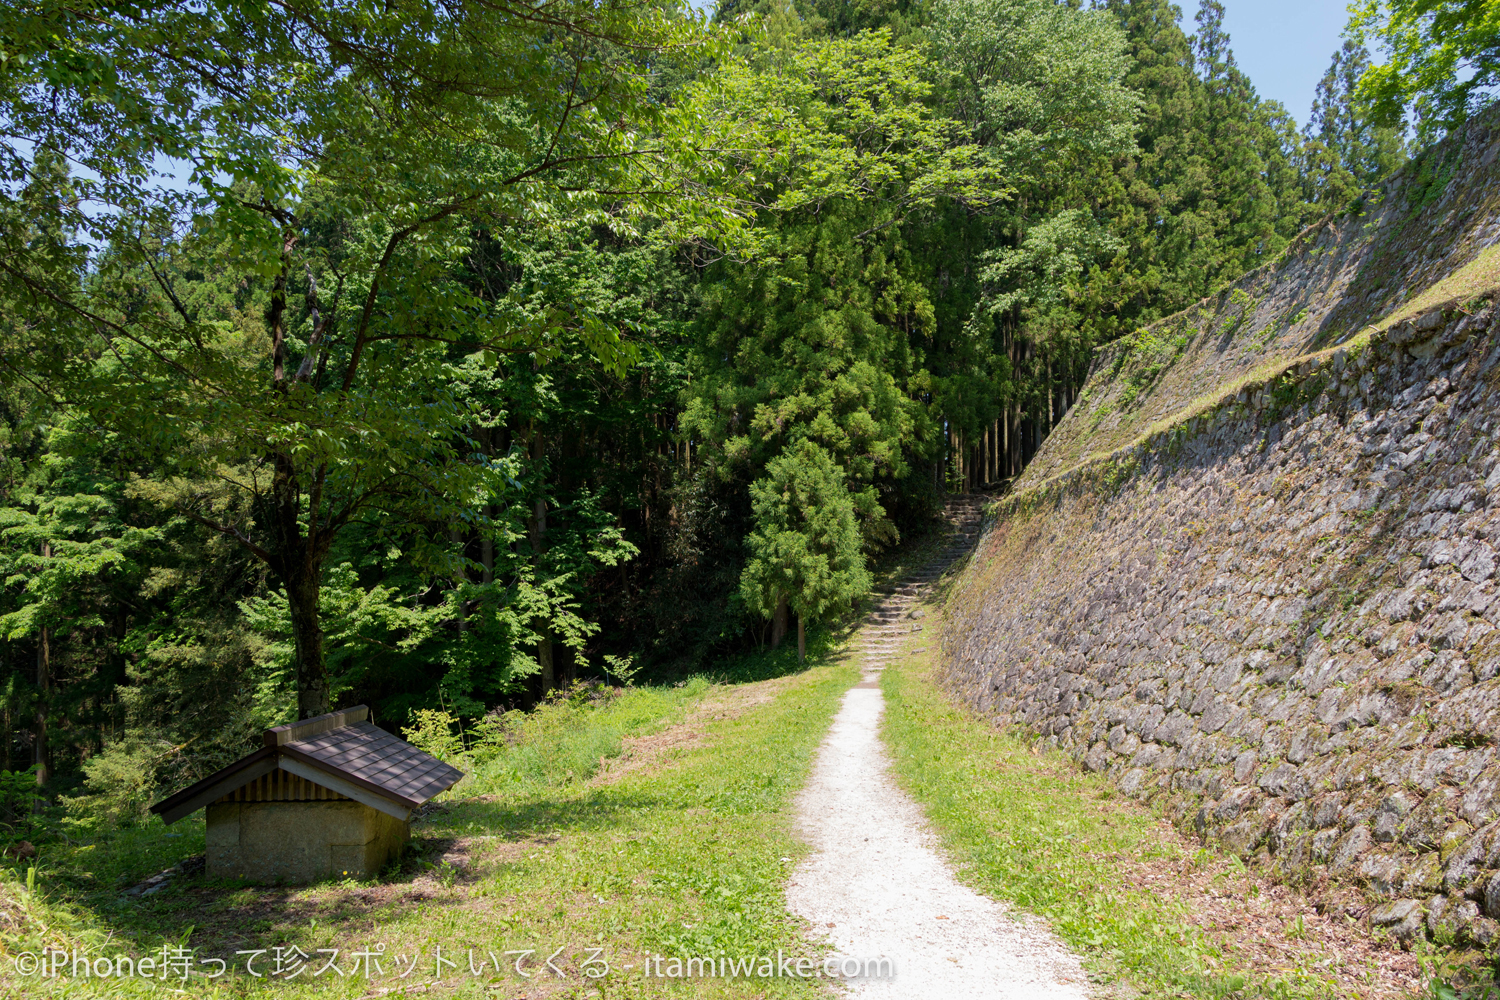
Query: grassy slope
1027	827
1424	242
688	855
1477	279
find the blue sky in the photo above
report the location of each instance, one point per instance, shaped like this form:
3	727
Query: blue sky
1283	46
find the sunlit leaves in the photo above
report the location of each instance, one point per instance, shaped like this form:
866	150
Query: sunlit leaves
1443	60
805	548
338	162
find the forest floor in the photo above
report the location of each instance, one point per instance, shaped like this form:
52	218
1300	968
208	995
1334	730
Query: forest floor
663	823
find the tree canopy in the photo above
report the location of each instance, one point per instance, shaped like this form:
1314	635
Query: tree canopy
1443	61
436	356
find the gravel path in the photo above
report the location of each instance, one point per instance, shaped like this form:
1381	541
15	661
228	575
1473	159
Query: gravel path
876	887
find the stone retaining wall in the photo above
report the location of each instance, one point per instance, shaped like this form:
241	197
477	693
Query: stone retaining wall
1279	621
1430	222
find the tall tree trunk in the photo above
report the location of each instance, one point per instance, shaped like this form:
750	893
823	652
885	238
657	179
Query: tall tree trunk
296	555
40	752
801	640
302	595
999	448
1051	394
544	659
991	431
1005	442
1016	441
779	622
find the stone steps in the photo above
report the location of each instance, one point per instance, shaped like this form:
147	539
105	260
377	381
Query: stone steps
889	624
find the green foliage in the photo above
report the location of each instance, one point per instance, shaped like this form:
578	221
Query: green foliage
1345	153
818	337
470	355
1042	90
379	635
805	548
1214	187
1040	85
344	408
122	782
1142	357
437	733
1441	63
1434	170
18	795
621	668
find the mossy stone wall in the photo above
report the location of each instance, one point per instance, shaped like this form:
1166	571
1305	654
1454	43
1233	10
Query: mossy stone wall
1279	621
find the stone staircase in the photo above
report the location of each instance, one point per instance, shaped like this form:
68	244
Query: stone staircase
898	613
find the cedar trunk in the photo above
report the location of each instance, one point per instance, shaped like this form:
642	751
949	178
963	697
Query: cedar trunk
544	659
40	754
779	622
39	749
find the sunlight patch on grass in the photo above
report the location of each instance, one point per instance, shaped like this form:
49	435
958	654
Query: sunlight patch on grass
566	742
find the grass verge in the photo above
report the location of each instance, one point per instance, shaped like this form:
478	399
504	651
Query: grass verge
686	856
1025	826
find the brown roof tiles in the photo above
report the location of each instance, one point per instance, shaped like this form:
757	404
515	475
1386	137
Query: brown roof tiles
343	745
373	757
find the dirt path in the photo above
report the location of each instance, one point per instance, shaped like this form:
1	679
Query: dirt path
879	889
876	886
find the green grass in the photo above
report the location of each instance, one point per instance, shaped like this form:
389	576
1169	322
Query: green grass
686	856
1026	826
566	741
